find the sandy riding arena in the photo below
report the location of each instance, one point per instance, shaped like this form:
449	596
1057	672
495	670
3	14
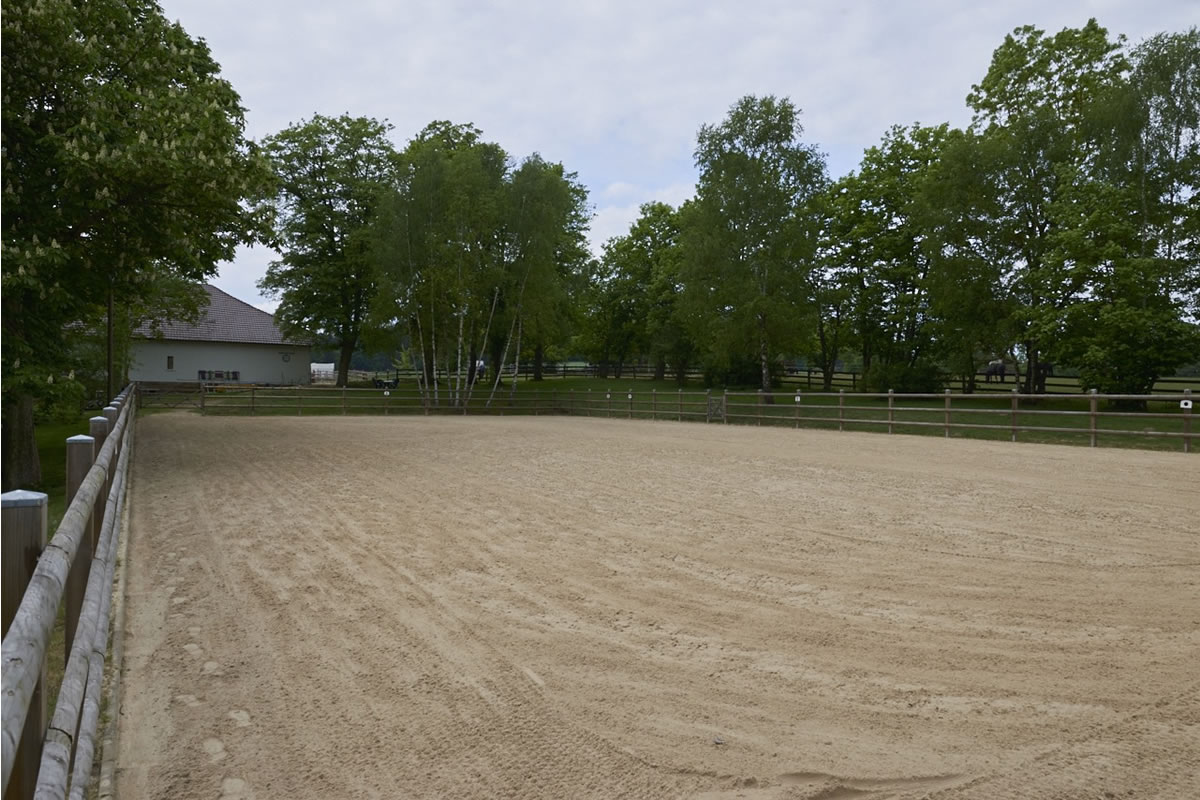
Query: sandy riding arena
584	608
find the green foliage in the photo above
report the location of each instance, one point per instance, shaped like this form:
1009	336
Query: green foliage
900	377
330	172
125	167
473	255
749	237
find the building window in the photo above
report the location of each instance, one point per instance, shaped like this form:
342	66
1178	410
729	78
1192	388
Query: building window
170	362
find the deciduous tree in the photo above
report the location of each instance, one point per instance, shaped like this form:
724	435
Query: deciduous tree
330	172
124	165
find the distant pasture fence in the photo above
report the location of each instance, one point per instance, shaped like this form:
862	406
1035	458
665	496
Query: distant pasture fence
1013	415
53	758
804	379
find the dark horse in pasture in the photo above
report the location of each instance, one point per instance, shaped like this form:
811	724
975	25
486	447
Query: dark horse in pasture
995	369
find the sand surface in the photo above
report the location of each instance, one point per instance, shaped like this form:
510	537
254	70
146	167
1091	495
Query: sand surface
583	608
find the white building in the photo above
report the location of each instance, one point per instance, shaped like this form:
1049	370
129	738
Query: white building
233	342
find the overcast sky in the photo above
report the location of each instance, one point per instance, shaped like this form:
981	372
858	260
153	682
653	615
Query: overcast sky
617	89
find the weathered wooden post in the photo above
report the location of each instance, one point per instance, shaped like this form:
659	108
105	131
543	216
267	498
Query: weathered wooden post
98	430
588	407
798	408
842	409
630	414
81	453
343	401
758	411
891	410
299	400
23	529
947	421
252	401
203	412
1093	401
111	413
571	402
708	405
1013	415
1187	420
608	401
725	408
654	404
679	413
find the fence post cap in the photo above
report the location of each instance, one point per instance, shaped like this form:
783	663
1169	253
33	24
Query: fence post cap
83	437
110	408
98	419
22	498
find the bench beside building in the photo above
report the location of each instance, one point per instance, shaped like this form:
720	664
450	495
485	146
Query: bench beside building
233	342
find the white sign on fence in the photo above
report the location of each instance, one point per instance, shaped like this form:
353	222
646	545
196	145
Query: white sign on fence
1185	404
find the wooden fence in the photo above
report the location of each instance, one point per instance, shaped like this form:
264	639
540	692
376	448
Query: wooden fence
53	758
1091	417
804	379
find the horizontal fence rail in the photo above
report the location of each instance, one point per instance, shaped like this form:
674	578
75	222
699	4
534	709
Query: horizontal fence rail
1011	415
38	758
804	379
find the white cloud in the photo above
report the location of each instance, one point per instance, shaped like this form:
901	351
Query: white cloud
617	90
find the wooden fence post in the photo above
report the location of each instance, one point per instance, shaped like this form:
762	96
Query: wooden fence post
630	415
725	408
679	413
571	403
252	401
758	411
842	409
1093	401
299	399
947	413
203	411
798	408
343	401
98	430
891	410
654	404
588	407
1187	421
111	413
1013	415
24	539
608	401
81	453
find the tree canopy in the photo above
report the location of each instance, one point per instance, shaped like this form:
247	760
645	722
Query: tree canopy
126	173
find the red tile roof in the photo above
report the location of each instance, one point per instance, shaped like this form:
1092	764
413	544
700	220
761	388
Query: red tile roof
224	319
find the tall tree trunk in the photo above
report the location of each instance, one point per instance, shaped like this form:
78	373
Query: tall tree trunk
539	354
345	353
1031	368
764	358
22	469
660	368
681	368
109	348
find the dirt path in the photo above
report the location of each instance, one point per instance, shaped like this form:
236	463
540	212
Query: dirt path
519	607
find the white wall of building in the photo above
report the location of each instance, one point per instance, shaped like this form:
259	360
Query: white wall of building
162	360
